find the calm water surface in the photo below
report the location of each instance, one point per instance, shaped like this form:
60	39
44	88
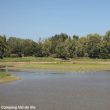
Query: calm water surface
58	91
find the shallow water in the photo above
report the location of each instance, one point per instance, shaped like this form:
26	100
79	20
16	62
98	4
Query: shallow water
58	91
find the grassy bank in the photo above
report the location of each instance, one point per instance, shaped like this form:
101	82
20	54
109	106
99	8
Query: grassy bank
6	77
47	63
66	67
49	59
29	59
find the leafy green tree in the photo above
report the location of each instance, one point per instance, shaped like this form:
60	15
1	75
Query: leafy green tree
30	47
59	45
57	39
62	50
3	46
72	48
39	50
75	37
92	48
104	50
47	47
16	46
107	36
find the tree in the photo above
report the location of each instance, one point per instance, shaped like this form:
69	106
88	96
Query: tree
75	37
30	47
59	45
62	50
104	50
92	45
107	36
16	46
72	48
56	42
47	47
3	46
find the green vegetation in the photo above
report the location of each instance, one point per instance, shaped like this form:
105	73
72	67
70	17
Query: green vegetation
59	52
58	46
29	59
67	67
4	74
3	46
50	59
6	77
55	64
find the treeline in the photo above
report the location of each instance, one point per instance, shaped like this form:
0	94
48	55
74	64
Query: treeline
59	46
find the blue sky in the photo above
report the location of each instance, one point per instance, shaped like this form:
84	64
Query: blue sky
44	18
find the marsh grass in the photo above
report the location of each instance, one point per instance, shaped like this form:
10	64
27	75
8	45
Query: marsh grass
6	77
65	67
4	74
50	59
29	59
48	63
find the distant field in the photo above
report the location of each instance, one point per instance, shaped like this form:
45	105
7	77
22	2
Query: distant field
29	59
63	67
48	63
50	59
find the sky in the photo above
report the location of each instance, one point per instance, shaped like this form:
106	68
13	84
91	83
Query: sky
36	19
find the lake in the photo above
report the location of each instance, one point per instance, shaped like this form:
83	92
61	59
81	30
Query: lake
58	91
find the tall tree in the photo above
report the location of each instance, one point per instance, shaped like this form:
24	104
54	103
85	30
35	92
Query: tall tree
3	46
92	47
107	36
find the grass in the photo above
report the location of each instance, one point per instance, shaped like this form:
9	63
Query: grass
29	59
4	74
48	63
6	77
66	67
49	59
61	67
